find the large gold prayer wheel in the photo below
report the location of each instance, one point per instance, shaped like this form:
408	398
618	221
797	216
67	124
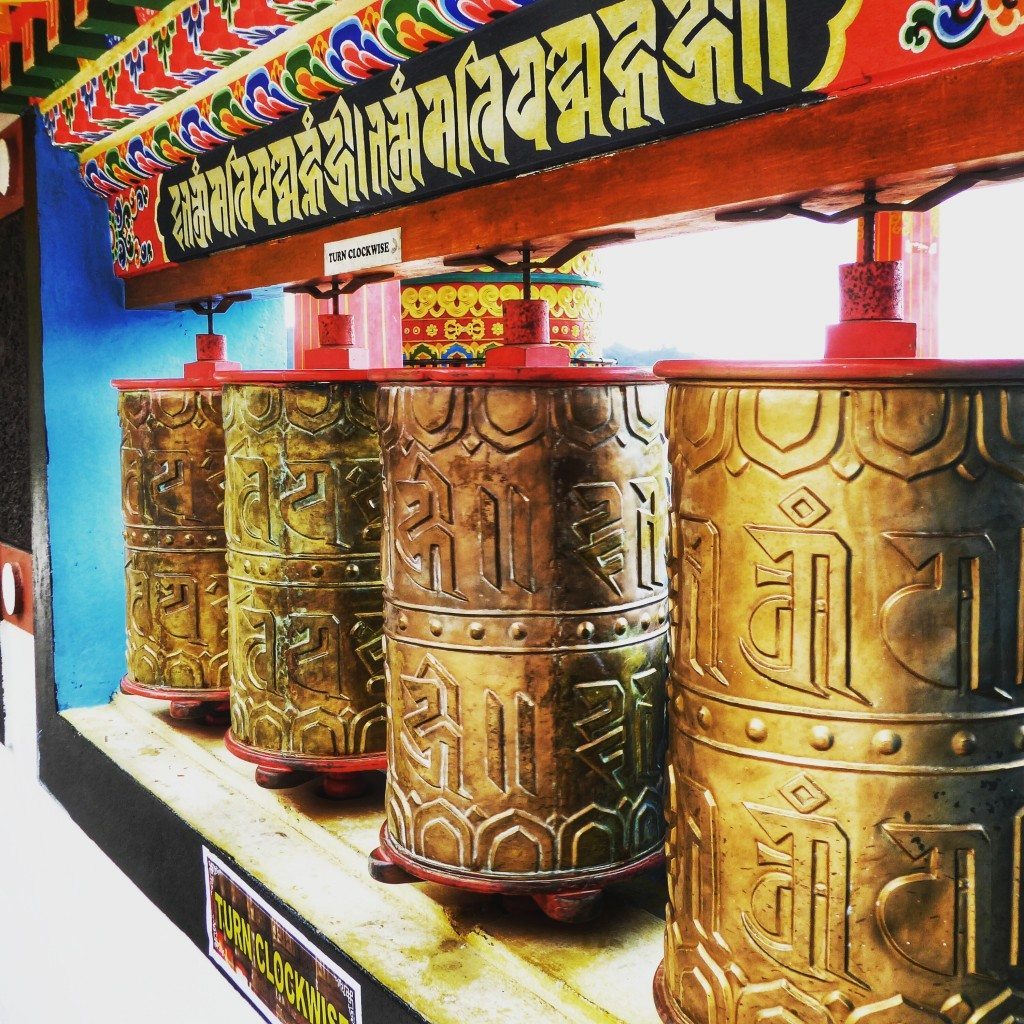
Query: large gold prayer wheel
306	611
172	477
846	776
526	621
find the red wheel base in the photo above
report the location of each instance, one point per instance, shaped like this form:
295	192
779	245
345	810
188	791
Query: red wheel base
661	1000
275	778
572	900
208	706
346	787
344	778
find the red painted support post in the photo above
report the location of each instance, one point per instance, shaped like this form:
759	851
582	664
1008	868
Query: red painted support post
914	239
377	313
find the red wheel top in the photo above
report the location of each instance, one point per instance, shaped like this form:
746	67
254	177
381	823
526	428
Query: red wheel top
282	378
909	371
167	384
201	375
522	376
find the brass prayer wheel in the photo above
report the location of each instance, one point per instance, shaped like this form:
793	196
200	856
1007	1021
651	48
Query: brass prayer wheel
306	610
526	621
172	476
846	776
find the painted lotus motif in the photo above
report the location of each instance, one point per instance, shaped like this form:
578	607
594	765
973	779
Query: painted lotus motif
955	23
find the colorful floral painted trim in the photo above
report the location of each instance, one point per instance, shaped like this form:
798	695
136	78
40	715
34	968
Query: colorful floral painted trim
211	35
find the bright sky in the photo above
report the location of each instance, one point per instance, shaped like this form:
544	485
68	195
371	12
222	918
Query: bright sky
981	234
769	290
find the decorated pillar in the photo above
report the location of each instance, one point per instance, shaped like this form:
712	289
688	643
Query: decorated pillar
458	316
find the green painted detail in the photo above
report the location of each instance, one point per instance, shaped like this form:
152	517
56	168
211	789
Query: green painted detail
49	65
224	58
153	5
228	10
300	11
428	21
487	277
163	41
162	95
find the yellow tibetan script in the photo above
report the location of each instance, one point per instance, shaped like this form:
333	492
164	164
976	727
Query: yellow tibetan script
604	73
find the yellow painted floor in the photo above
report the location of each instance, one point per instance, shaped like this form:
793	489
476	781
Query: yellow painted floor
455	957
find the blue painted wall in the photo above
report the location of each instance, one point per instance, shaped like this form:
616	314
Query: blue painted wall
88	339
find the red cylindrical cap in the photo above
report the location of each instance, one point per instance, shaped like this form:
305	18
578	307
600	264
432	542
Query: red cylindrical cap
527	338
337	330
527	321
337	350
201	375
211	347
871	306
871	291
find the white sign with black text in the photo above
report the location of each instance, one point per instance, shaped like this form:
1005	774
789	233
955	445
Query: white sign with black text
364	253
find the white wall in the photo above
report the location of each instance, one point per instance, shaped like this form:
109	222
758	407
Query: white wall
78	942
751	291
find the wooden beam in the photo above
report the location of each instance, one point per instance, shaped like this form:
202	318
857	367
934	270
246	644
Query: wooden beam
897	136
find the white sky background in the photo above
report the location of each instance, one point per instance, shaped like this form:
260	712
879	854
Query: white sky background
768	291
981	233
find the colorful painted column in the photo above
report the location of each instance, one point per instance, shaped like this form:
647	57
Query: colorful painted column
458	316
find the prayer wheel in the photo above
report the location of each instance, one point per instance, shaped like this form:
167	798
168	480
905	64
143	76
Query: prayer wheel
526	621
303	526
172	474
846	776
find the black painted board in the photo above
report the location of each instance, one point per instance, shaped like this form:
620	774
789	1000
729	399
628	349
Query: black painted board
15	493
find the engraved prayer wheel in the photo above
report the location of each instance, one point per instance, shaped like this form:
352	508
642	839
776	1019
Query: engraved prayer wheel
172	474
306	611
526	623
846	776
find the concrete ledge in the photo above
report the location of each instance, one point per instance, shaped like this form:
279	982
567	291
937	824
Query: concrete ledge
453	957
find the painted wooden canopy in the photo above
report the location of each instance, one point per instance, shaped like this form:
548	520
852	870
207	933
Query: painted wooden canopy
215	123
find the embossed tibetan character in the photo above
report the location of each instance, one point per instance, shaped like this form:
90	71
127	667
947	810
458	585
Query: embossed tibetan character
172	480
306	612
846	777
526	619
